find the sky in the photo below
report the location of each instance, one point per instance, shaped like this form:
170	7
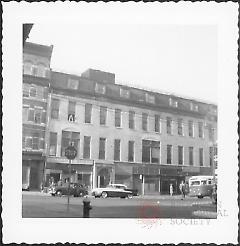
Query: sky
176	59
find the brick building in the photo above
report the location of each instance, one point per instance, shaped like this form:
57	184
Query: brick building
36	78
126	135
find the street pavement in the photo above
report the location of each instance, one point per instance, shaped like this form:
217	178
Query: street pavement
42	205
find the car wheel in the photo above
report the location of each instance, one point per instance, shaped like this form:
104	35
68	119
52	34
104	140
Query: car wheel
59	193
104	194
130	196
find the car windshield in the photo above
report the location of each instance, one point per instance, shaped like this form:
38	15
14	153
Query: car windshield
195	182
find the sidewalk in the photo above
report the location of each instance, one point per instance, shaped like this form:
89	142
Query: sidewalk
34	193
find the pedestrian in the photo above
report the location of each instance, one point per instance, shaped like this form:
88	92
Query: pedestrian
171	189
182	189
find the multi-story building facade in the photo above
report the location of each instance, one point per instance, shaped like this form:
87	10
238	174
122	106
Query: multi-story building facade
141	138
36	78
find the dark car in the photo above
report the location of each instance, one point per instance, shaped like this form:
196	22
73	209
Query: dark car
76	190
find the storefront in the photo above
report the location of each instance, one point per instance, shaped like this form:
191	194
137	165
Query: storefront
59	169
32	170
104	174
146	178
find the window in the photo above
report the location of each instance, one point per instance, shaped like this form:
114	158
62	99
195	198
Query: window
33	92
190	156
118	117
26	89
210	156
180	127
144	121
37	115
86	147
41	70
55	108
200	129
71	111
193	107
210	132
124	93
131	116
169	125
29	142
131	151
150	151
88	113
102	142
43	117
117	150
190	128
201	157
73	84
173	103
99	88
180	155
31	114
53	144
35	141
69	138
169	154
157	123
103	115
27	68
150	98
25	113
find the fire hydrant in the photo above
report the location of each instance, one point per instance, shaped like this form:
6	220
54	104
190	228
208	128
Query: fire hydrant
86	207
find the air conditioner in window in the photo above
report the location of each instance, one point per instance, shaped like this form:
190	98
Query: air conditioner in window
71	117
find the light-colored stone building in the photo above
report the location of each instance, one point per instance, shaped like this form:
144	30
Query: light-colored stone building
138	137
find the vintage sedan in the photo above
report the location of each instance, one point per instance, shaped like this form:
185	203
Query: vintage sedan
112	191
77	190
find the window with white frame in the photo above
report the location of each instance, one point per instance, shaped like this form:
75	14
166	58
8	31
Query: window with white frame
180	127
169	125
72	84
100	88
150	98
169	154
190	128
124	93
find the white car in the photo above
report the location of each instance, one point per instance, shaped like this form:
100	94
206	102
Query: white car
112	190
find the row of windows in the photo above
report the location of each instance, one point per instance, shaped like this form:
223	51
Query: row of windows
36	115
35	91
131	119
33	142
150	149
39	70
125	93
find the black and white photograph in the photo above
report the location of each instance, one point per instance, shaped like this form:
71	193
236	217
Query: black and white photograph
121	120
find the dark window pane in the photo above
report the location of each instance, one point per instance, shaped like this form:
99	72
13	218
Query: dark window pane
131	151
131	119
180	127
180	155
88	113
118	117
146	150
54	108
190	128
86	150
157	123
117	149
191	156
200	129
102	148
169	154
201	156
37	116
33	91
144	121
103	115
169	125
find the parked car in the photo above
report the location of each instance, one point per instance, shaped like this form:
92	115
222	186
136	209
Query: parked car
112	191
122	186
76	190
